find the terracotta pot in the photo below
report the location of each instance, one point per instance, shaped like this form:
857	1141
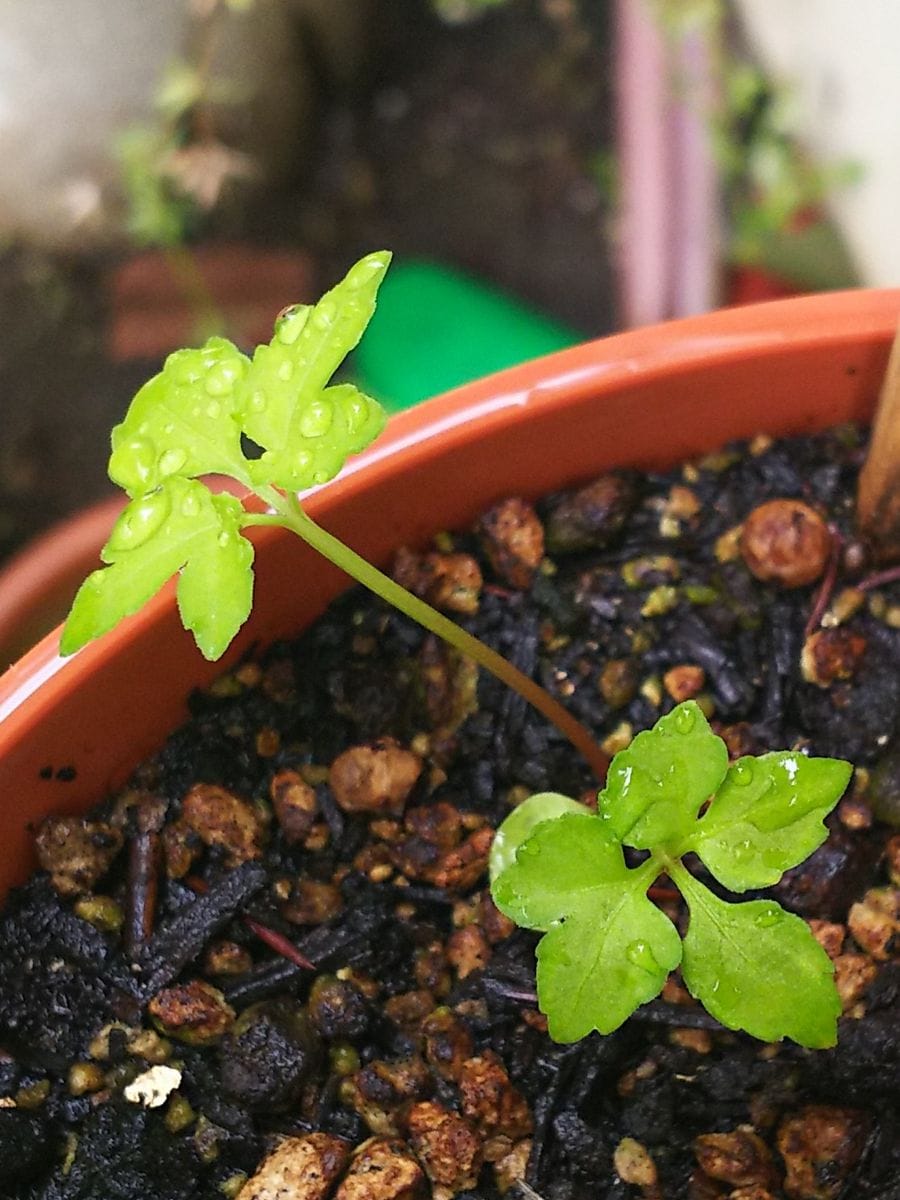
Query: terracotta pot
70	730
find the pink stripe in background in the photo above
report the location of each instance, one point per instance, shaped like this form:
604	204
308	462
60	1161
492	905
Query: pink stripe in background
668	229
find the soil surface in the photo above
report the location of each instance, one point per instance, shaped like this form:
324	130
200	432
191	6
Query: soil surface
281	929
477	146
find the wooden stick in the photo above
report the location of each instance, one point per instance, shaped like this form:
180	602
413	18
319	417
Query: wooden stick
878	495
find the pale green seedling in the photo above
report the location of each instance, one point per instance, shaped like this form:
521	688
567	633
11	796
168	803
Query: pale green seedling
607	948
194	419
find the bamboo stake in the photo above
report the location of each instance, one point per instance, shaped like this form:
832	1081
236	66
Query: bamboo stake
878	494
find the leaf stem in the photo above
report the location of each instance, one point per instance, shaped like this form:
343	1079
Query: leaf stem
293	516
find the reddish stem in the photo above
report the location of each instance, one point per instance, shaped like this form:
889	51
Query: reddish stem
823	596
274	940
279	943
879	579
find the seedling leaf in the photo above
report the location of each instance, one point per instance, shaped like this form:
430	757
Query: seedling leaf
758	968
543	806
306	429
182	422
608	949
753	966
656	786
180	525
768	816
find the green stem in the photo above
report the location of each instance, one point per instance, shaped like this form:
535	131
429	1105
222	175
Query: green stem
292	515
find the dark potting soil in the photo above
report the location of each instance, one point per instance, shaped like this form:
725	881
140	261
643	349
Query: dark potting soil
287	907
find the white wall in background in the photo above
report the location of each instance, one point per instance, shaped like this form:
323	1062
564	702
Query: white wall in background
842	58
75	73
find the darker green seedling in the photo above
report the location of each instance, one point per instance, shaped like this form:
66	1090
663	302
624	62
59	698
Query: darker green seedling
607	948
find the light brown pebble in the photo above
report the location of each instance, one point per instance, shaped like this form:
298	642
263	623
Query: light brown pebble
382	1169
294	803
513	539
820	1145
194	1012
377	777
220	818
300	1168
76	852
739	1157
785	542
633	1163
446	1144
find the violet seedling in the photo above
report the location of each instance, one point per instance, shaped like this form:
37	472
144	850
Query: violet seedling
190	420
607	948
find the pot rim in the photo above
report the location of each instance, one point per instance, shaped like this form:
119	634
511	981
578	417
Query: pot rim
594	369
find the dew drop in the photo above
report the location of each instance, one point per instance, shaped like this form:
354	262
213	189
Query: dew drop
742	773
324	314
302	460
140	521
768	917
220	380
363	272
224	539
742	851
190	505
258	401
285	371
529	849
214	410
685	720
133	464
640	955
169	429
171	461
355	412
291	322
316	419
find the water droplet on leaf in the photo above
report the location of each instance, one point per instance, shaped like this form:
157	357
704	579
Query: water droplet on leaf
324	314
363	272
685	719
214	410
140	521
640	955
285	371
133	464
768	917
742	773
224	539
290	323
190	505
171	461
258	401
316	419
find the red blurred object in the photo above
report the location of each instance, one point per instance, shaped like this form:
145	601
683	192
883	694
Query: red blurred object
152	312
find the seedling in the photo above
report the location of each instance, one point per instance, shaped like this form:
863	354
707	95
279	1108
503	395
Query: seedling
193	419
607	948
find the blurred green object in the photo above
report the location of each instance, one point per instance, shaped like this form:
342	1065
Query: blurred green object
436	328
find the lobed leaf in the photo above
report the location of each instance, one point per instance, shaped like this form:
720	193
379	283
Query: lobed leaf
768	816
306	429
544	806
608	948
182	421
657	785
179	526
755	967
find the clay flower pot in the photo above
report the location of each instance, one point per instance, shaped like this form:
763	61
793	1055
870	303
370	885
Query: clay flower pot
70	730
